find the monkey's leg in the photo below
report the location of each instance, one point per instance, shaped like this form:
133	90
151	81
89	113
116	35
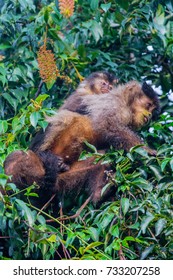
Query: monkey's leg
88	177
25	168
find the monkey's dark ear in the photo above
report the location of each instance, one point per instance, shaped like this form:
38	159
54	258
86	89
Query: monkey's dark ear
149	91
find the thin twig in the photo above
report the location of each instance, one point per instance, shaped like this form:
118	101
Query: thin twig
47	203
79	210
39	89
120	253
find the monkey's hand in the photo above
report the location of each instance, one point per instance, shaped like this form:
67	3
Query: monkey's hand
53	163
62	166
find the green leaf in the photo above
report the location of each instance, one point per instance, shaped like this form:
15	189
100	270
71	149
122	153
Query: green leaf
12	101
145	222
142	183
164	163
116	244
52	238
46	14
3	180
50	84
41	220
106	220
93	245
43	124
146	252
3	126
92	147
41	98
5	46
94	4
171	164
157	172
159	226
134	226
114	231
125	203
96	30
105	188
163	149
123	4
139	150
34	117
16	124
105	7
94	232
27	212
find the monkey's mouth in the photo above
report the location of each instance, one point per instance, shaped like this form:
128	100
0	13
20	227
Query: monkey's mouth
146	119
105	90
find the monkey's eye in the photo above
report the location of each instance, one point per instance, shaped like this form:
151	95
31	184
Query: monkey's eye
148	105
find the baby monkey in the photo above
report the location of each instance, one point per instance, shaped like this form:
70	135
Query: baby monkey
98	83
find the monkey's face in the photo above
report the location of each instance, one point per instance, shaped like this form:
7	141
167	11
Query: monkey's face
101	86
142	109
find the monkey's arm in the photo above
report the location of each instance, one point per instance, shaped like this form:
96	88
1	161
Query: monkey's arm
125	138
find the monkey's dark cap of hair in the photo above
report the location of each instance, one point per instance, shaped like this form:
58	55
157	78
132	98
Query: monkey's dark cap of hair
108	76
111	77
149	91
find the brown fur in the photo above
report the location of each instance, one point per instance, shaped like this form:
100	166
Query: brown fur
25	168
83	177
97	83
61	130
65	137
66	127
110	120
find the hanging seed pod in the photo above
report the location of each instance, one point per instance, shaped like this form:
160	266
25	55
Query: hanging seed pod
66	7
47	65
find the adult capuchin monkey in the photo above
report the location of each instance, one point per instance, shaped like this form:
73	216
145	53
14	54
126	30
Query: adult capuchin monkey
21	165
111	119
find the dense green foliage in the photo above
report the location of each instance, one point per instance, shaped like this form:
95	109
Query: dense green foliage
134	40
